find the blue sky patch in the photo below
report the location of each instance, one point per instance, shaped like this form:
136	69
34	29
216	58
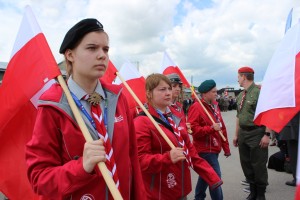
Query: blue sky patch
182	11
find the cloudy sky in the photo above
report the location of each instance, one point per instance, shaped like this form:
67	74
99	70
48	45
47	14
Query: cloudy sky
207	39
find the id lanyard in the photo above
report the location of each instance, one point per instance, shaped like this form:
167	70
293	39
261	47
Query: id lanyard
80	106
163	117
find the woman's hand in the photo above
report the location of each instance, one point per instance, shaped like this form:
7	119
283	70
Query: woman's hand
93	153
177	155
216	126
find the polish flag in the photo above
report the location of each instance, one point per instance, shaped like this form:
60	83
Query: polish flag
276	109
136	82
110	74
30	69
297	196
169	67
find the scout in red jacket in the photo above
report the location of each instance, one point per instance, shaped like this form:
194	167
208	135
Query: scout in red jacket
165	171
61	164
206	137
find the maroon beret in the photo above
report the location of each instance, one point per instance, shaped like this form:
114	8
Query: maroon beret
246	70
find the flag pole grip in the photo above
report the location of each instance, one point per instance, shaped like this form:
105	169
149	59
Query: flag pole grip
205	110
101	165
162	133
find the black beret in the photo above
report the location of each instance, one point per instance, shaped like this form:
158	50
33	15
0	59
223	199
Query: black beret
78	31
206	86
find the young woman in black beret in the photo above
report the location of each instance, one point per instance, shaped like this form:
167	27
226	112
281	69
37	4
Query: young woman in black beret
61	164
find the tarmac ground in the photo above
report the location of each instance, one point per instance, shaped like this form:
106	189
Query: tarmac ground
232	173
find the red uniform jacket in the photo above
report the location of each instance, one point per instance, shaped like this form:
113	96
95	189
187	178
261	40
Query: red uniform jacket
54	154
163	179
205	138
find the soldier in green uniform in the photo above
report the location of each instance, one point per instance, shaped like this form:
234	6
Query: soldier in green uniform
252	140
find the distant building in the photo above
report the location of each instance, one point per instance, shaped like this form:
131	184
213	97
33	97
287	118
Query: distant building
230	92
3	66
188	93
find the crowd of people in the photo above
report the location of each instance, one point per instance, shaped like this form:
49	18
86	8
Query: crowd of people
226	103
143	162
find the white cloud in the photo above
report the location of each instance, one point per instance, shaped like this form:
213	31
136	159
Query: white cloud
218	40
211	42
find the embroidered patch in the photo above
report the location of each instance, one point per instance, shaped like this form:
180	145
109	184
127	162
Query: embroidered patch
180	128
215	142
171	180
87	197
118	119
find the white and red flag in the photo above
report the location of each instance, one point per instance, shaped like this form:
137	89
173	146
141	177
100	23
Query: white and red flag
110	74
31	67
169	67
136	82
279	99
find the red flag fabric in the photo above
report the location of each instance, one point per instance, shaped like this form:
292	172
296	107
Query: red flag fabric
31	66
110	73
169	67
276	109
297	196
136	82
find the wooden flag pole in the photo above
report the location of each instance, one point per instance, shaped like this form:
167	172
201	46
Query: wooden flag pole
146	111
102	167
211	119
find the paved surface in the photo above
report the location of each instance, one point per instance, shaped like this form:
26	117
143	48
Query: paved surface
232	173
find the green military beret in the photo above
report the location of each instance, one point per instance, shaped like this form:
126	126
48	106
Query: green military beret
206	86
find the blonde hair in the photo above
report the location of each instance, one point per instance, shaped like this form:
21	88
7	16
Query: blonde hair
68	67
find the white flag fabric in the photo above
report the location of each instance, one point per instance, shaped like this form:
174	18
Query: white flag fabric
169	67
137	84
128	71
277	102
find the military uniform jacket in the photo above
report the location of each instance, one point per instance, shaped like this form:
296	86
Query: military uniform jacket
246	113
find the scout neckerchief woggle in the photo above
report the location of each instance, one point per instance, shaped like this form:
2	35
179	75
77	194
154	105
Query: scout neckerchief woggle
168	119
213	109
99	122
